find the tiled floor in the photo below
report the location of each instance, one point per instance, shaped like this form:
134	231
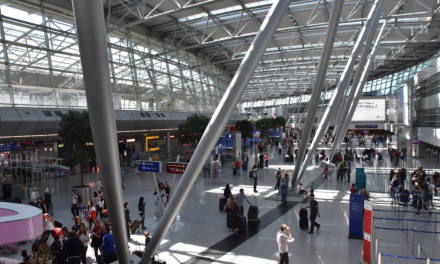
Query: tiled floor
200	229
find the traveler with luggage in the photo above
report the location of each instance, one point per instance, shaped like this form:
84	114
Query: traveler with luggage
282	241
141	208
239	198
237	165
127	219
365	193
314	211
167	189
227	191
255	176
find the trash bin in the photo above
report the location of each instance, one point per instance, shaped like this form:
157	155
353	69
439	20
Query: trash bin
24	193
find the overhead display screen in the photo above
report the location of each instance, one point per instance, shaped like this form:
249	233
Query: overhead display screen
370	110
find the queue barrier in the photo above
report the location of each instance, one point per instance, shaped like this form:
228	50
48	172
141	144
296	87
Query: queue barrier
380	255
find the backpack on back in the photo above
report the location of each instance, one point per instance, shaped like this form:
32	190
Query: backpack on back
251	174
79	198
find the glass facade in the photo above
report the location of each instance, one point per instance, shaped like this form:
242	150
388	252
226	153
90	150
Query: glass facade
40	67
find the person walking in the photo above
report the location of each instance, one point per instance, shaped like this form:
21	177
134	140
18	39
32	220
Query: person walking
159	192
266	160
278	178
167	189
239	198
261	157
122	176
280	148
83	235
73	249
227	191
237	165
282	241
245	162
255	180
74	204
34	195
95	234
127	219
108	246
206	169
232	219
100	207
348	169
365	193
284	183
340	171
314	211
48	201
7	190
141	208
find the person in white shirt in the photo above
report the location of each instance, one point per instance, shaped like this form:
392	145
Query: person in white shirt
282	241
432	189
35	195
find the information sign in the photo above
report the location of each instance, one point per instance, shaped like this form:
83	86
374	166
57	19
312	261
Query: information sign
150	166
7	148
368	227
175	167
356	216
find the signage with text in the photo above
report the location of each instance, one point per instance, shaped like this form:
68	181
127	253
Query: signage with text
175	167
368	224
7	148
149	166
356	216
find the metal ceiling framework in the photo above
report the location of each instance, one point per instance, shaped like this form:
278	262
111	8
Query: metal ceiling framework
222	32
219	34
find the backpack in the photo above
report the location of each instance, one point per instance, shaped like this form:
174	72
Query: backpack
251	174
79	198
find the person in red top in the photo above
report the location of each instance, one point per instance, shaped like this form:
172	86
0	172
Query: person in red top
326	171
266	158
353	189
237	165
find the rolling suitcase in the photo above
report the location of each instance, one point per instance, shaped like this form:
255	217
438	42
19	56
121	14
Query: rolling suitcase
253	220
242	225
303	219
286	158
234	171
134	226
221	204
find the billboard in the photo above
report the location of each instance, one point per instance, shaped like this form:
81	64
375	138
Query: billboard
370	110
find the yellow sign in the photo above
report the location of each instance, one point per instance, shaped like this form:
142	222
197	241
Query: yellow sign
154	149
146	141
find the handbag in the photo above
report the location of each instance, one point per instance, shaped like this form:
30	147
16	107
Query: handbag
155	193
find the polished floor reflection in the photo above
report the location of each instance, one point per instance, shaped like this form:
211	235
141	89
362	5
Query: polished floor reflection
199	233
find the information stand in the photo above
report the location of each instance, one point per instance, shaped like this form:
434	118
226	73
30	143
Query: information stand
368	229
355	230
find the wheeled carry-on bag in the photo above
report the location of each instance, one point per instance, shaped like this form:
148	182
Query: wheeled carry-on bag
303	219
253	220
221	204
234	171
134	226
242	223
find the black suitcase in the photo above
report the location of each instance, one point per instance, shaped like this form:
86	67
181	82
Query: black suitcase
57	224
234	171
303	219
253	220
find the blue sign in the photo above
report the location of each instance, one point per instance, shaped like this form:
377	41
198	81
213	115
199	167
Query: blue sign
149	166
356	223
7	148
227	136
221	150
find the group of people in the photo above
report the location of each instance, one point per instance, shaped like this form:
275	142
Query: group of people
234	207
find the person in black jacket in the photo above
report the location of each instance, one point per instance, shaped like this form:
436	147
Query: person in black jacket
7	190
127	219
141	208
48	201
73	248
227	191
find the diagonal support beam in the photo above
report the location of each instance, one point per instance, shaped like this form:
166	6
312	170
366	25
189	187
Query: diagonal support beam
90	28
358	88
218	121
332	29
366	35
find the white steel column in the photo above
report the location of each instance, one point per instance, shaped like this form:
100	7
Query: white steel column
330	35
365	73
368	29
91	33
218	121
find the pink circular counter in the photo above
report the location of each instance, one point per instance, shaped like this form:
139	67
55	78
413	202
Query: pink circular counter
19	222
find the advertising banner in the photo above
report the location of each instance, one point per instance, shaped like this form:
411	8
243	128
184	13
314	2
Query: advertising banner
370	110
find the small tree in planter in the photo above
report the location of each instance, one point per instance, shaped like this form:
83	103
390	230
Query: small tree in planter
76	133
246	129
